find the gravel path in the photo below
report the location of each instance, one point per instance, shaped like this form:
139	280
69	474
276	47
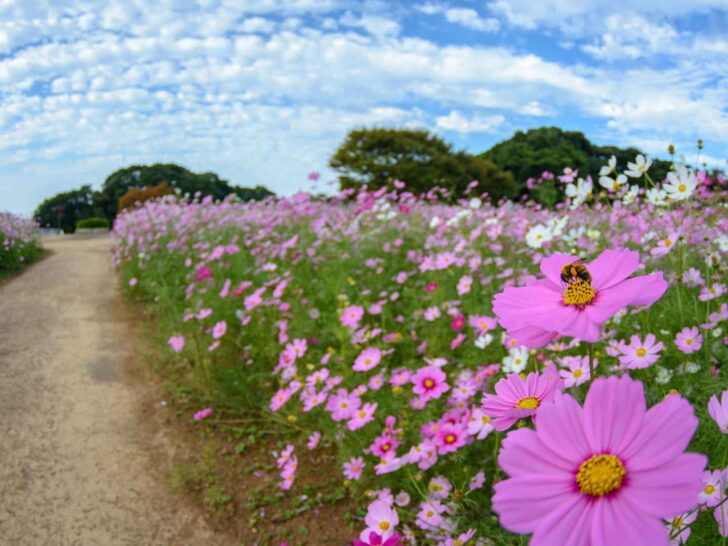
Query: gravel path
78	463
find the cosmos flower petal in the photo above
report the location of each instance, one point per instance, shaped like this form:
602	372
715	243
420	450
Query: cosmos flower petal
551	267
567	525
561	429
540	493
616	521
532	336
613	413
665	433
612	267
670	490
530	457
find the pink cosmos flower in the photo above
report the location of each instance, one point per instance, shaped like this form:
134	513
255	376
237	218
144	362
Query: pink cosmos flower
516	398
384	446
133	281
477	481
464	284
200	415
449	438
482	323
680	527
429	382
457	323
718	410
544	309
351	316
375	539
604	474
353	468
219	329
369	358
639	354
431	287
479	424
713	492
362	416
177	342
313	440
577	370
342	405
202	274
665	245
381	518
689	340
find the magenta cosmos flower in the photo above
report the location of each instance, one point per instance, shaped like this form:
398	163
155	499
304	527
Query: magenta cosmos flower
604	474
546	308
516	398
429	382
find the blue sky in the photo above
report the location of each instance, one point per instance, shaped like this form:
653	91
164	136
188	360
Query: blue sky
262	91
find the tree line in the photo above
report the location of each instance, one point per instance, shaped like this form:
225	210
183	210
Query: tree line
376	157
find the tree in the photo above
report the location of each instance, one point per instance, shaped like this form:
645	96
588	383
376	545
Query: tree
67	208
84	203
529	154
379	156
140	195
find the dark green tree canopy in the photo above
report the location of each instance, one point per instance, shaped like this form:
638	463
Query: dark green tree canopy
529	154
378	156
65	209
85	203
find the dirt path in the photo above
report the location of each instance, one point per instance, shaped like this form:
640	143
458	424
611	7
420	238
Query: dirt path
77	462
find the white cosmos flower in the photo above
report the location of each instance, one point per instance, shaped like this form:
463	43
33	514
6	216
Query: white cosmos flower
656	196
639	167
474	203
516	360
682	183
579	192
612	184
435	222
631	194
483	341
610	167
538	235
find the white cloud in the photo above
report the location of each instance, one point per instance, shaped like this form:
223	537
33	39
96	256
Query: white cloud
633	36
263	91
459	123
470	18
577	17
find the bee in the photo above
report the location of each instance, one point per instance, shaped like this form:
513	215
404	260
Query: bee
574	271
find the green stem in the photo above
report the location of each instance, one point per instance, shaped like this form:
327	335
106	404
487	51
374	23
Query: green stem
591	361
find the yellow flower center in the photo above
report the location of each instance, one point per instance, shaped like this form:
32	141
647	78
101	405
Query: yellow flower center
429	383
709	489
579	293
367	361
450	438
641	352
486	419
668	242
577	373
362	414
682	187
530	402
600	475
383	525
689	341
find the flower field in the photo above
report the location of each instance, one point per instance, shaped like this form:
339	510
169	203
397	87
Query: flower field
482	372
19	242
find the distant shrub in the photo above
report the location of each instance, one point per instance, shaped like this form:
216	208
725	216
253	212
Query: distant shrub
140	195
90	223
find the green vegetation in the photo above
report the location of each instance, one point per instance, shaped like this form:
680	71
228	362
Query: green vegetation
65	209
92	223
378	156
528	154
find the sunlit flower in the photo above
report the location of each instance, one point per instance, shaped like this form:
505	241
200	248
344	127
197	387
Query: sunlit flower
546	308
604	474
516	398
718	410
